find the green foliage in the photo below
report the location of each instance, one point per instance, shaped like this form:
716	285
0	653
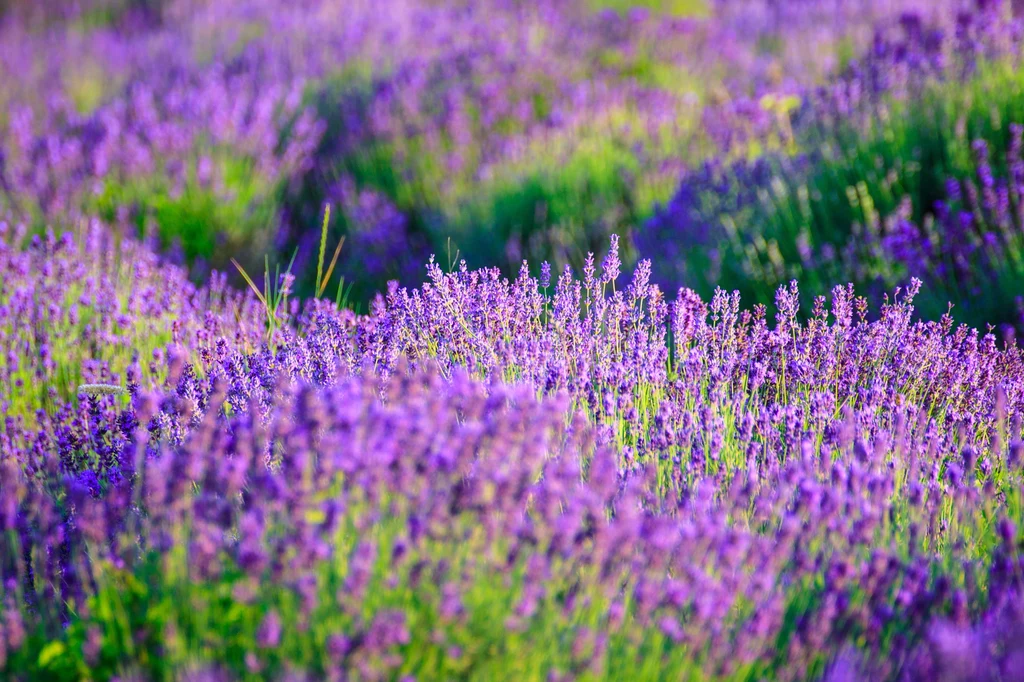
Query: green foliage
557	205
84	14
106	13
89	85
681	8
206	221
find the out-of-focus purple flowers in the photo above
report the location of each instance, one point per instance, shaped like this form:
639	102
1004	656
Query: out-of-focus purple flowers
225	126
905	165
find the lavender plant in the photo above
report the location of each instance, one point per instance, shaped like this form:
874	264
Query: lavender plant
94	309
491	478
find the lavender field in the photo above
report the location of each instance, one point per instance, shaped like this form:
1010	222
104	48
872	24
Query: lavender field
538	340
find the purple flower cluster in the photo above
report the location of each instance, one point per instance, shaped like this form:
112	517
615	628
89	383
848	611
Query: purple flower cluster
976	230
96	309
483	468
379	240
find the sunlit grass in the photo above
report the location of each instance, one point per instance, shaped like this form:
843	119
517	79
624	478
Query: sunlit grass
680	8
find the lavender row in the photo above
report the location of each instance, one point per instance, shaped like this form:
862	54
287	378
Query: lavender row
575	478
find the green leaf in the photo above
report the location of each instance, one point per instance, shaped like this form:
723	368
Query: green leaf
51	652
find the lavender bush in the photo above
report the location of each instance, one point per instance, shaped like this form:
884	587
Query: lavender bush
523	478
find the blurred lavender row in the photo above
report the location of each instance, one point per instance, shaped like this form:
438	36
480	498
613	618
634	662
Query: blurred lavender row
502	130
907	165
